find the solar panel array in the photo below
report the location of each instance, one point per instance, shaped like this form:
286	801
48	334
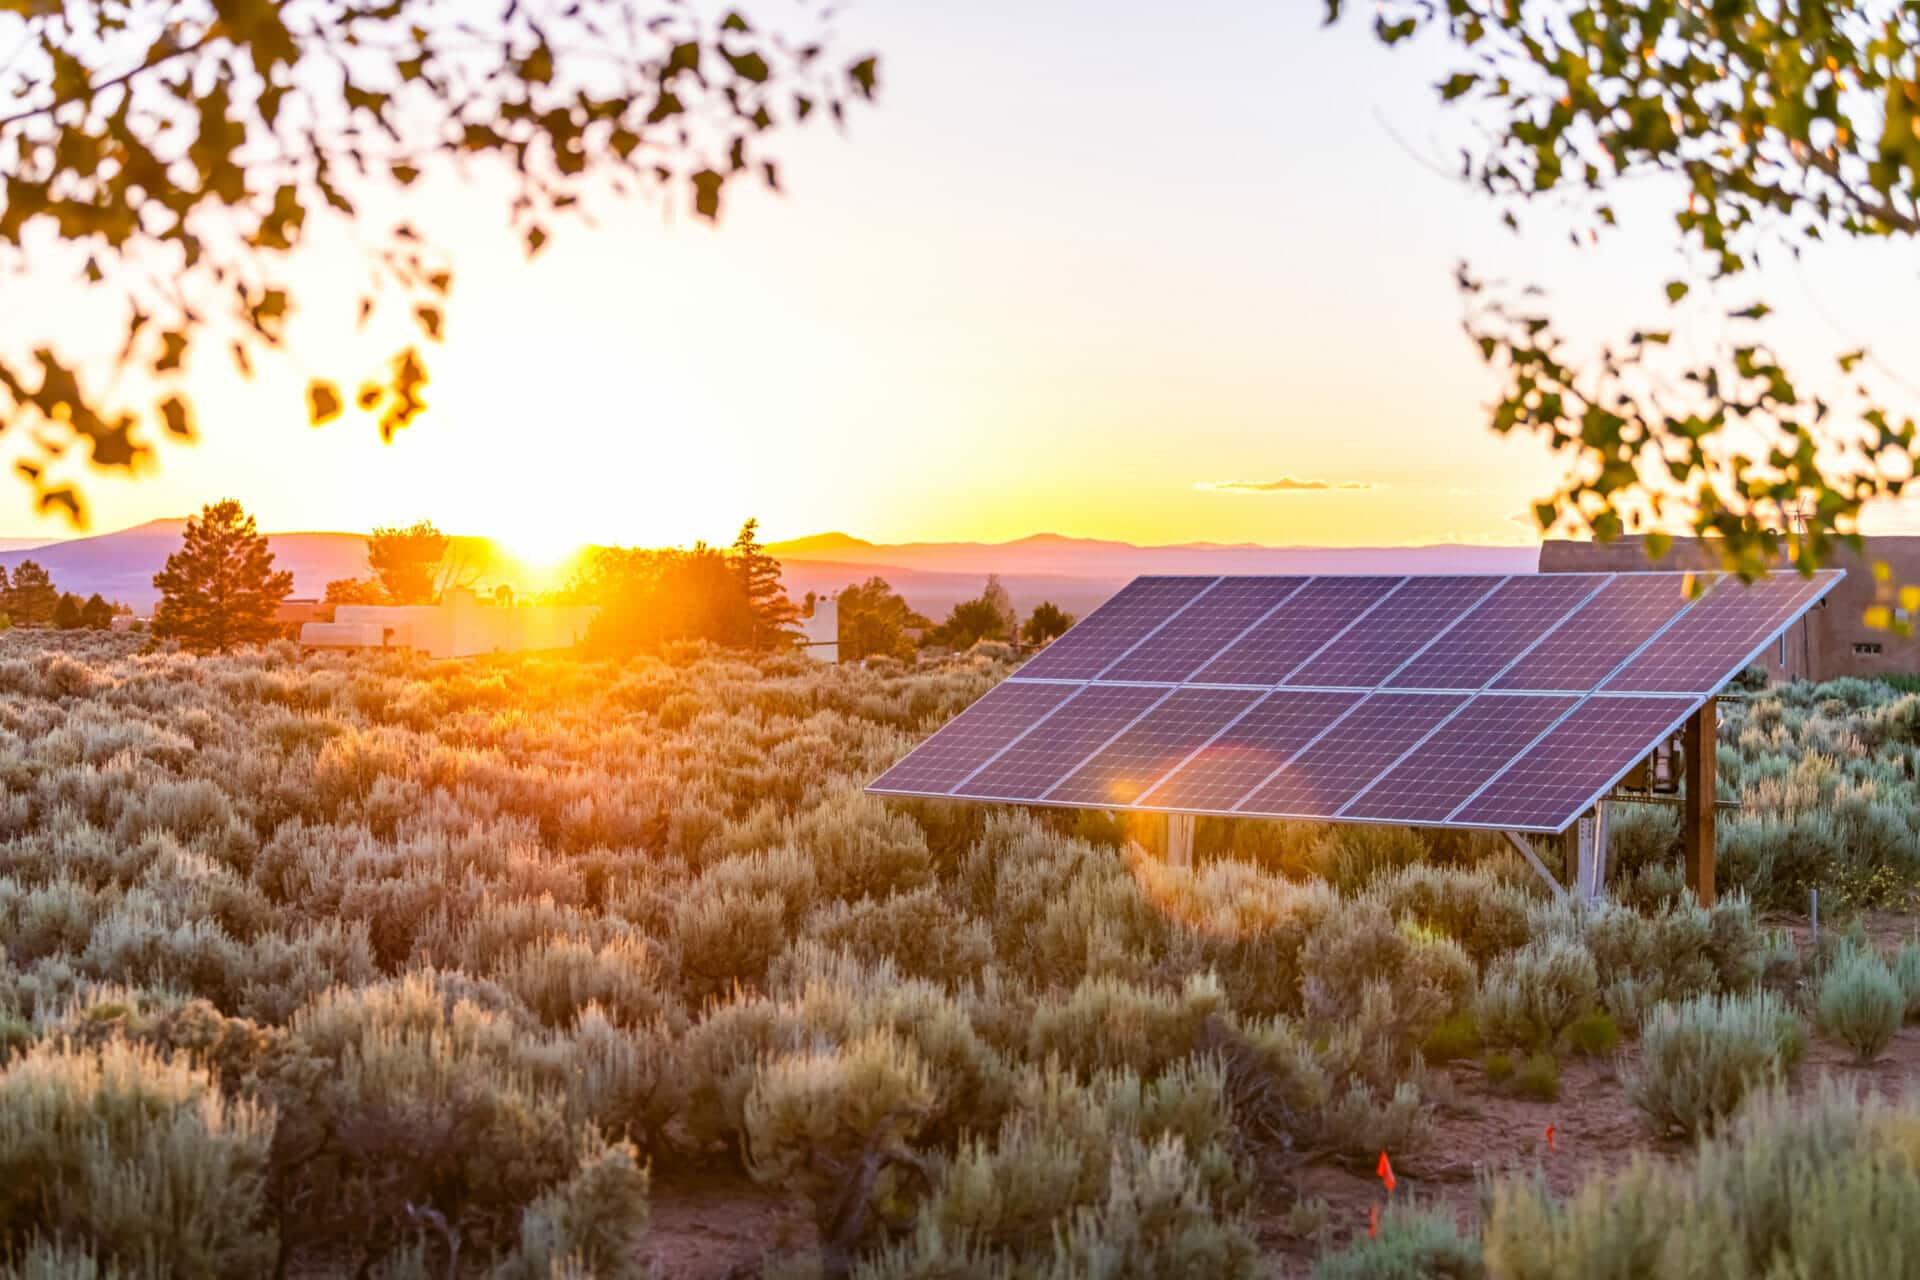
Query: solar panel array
1510	703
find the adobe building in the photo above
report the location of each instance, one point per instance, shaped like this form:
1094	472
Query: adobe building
461	625
1833	639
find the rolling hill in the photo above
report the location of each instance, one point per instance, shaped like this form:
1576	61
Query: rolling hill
1075	573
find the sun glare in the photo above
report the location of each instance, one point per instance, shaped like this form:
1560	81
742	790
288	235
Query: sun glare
540	546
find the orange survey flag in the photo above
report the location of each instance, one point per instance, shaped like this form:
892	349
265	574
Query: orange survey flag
1385	1170
1550	1146
1373	1220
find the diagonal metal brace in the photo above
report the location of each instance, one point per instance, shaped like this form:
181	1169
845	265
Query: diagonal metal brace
1519	842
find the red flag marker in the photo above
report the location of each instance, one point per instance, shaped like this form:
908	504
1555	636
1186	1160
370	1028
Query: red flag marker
1550	1145
1385	1170
1373	1220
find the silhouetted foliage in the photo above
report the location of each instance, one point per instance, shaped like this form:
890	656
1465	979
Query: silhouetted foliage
1777	124
989	616
186	153
876	622
66	612
355	591
220	589
96	614
407	561
1048	621
649	597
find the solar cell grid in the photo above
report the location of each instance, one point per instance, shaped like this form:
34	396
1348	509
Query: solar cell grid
1720	632
1057	744
1460	756
1548	786
1155	743
1328	773
1114	628
1496	631
1292	633
1601	634
1246	752
1410	618
1008	710
1206	627
1485	718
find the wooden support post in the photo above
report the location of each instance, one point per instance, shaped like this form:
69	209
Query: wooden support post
1697	810
1179	839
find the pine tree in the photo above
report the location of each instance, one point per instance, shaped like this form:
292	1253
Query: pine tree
66	612
96	614
31	597
220	589
773	614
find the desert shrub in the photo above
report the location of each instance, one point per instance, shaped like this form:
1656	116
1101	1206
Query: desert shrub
1363	1119
411	1096
1105	1023
132	1161
1455	1037
1472	908
1593	1035
1824	1188
919	930
1530	997
1351	856
1906	972
1700	1057
1860	1004
1155	1221
1086	1178
559	977
723	939
1537	1079
592	1223
1390	984
861	849
1412	1244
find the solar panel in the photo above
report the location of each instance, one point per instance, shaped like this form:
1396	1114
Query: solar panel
1056	745
1578	760
1479	701
1723	632
987	727
1206	627
1295	632
1428	782
1152	745
1350	754
1602	633
1497	630
1405	624
1246	753
1112	630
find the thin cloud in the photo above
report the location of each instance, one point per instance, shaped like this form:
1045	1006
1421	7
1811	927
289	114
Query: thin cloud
1285	484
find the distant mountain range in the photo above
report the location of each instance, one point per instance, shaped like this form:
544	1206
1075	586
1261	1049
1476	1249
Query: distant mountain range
1078	573
121	565
1074	573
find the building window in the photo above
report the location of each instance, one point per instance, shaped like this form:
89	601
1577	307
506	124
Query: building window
1783	648
1866	650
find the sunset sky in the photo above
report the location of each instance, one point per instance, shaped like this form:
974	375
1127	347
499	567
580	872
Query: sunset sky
1142	271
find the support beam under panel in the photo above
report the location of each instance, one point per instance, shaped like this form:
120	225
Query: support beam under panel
1701	743
1519	842
1179	839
